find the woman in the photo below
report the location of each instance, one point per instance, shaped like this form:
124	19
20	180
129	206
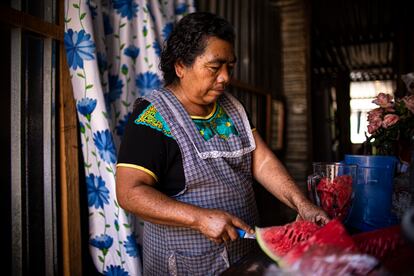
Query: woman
189	155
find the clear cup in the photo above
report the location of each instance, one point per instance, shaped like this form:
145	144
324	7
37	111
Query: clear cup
331	187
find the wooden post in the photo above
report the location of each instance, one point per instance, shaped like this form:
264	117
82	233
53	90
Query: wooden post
69	168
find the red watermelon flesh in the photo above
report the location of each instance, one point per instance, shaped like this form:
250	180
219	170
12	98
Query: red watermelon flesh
389	246
379	243
332	234
331	260
276	241
335	195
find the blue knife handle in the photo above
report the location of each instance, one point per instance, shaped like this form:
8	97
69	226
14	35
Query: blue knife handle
241	232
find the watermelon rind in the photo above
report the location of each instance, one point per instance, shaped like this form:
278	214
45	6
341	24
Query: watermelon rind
276	241
266	249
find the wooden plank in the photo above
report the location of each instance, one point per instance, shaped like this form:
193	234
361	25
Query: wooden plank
31	23
69	168
69	175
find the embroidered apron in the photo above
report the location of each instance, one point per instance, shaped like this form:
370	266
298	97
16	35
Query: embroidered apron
218	175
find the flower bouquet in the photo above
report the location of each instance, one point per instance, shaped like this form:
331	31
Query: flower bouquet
391	126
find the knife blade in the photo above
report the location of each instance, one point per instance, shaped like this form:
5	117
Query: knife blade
244	235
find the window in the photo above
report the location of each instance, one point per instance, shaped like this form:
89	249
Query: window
362	94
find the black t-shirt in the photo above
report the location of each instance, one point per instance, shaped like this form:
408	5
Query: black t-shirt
148	144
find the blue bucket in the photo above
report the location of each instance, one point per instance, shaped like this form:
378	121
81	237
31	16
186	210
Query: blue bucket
372	203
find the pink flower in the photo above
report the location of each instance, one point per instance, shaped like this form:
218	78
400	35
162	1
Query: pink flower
383	100
389	120
409	102
375	114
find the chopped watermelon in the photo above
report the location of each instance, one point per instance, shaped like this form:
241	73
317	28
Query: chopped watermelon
276	241
332	234
335	196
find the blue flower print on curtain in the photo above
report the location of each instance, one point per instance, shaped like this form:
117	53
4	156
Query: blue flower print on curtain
127	8
113	50
79	47
146	82
98	194
113	270
131	246
105	145
167	30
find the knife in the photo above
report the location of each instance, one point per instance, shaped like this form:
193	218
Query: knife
244	235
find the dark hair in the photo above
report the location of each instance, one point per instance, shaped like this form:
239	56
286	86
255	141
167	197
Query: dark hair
188	40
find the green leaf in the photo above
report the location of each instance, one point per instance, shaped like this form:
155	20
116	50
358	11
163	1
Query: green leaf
89	86
88	125
76	6
118	252
108	226
109	169
94	153
101	259
124	70
67	20
101	213
116	203
146	59
122	46
122	25
88	165
99	163
125	103
82	129
116	35
148	46
126	225
82	16
80	75
87	138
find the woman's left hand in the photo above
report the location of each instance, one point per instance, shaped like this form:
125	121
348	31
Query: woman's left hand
311	212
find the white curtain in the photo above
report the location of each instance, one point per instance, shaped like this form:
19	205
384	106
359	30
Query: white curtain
113	50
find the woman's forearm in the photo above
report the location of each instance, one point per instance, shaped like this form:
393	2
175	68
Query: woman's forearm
272	175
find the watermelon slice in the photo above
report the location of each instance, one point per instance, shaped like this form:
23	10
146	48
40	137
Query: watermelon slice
276	241
332	234
379	243
331	260
388	246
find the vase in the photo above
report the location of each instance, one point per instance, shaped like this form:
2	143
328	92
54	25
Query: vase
372	203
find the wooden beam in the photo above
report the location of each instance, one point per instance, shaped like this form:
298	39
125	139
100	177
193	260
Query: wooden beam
69	175
31	23
69	168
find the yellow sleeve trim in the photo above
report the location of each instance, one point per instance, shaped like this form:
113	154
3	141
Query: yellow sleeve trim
138	168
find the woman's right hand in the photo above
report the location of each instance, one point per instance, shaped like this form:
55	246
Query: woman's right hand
219	226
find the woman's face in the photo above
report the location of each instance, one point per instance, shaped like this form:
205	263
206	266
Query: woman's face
205	80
